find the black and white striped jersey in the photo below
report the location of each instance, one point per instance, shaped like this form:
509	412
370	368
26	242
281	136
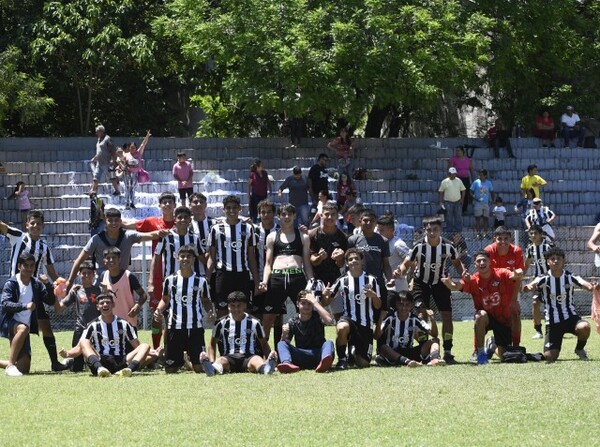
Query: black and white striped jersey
261	246
539	217
399	333
238	337
168	247
231	243
185	310
110	338
21	242
202	230
557	295
432	262
357	306
536	254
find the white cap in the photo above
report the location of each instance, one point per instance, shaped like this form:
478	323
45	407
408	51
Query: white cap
452	170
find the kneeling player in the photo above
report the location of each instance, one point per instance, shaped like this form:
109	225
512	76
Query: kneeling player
238	335
186	296
103	343
556	291
399	330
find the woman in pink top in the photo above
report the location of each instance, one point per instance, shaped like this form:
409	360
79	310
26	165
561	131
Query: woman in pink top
544	129
21	195
259	187
343	151
464	171
133	165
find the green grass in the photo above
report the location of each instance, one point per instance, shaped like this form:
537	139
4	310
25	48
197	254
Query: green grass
528	404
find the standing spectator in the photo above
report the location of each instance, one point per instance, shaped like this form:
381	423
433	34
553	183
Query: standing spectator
350	212
318	178
343	151
133	165
465	171
105	155
571	127
21	195
452	195
344	186
499	212
542	216
532	180
298	195
544	129
497	137
259	187
184	174
482	192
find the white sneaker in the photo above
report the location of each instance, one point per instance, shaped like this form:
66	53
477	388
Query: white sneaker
125	372
582	355
103	372
12	371
537	336
270	365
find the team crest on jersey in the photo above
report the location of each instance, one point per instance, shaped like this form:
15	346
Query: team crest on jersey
510	261
234	245
495	283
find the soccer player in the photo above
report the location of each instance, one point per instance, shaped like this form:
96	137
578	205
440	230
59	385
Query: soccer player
287	266
428	258
361	295
21	295
556	289
266	226
504	254
399	330
187	298
104	343
123	284
398	251
238	335
535	254
493	295
31	242
232	255
83	296
200	225
312	351
327	247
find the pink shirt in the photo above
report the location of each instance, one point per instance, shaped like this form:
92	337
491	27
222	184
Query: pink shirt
183	171
23	203
462	165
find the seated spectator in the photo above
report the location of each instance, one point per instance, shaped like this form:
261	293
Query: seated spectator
497	137
544	129
571	127
343	151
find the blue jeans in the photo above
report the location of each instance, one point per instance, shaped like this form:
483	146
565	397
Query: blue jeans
302	215
454	220
304	358
570	132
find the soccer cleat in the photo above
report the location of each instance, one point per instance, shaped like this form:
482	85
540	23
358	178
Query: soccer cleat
482	358
325	364
473	358
381	361
287	368
103	372
208	367
450	360
490	347
582	355
270	364
342	364
537	336
57	367
125	372
437	362
12	371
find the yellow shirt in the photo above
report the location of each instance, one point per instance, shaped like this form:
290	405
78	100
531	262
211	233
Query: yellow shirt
452	189
532	181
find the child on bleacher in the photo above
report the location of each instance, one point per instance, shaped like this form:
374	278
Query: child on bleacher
134	169
499	212
21	195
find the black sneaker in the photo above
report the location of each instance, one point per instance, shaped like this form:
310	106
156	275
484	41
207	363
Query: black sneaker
116	193
132	205
449	359
57	367
381	361
342	364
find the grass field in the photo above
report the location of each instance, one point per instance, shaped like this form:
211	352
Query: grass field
498	404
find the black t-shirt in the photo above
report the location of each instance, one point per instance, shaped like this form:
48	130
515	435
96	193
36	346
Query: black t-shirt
327	271
374	249
319	177
309	334
85	304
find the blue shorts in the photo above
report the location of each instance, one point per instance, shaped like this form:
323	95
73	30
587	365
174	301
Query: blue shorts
97	171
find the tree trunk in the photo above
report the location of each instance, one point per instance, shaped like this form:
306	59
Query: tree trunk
375	122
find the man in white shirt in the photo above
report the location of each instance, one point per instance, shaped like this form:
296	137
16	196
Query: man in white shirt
452	193
571	127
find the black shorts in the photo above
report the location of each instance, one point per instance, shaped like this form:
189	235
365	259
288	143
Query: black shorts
555	333
113	363
227	282
282	286
185	192
502	332
41	312
180	340
26	349
413	353
238	362
441	295
361	338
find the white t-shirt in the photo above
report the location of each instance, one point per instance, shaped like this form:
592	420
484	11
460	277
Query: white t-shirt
569	121
25	297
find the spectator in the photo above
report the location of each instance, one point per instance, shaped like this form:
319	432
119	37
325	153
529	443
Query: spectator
571	127
318	178
105	154
542	216
259	187
298	195
323	199
345	215
544	129
133	166
499	212
21	195
343	151
532	180
497	137
183	173
452	195
483	194
465	171
344	186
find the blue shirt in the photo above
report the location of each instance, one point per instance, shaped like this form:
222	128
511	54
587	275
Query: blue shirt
482	191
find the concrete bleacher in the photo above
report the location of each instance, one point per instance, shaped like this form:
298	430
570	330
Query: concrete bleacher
404	176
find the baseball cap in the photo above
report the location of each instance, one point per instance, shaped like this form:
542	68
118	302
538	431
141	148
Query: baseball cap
452	170
570	108
296	170
537	200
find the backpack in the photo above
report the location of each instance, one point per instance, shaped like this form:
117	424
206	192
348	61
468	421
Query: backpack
359	174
